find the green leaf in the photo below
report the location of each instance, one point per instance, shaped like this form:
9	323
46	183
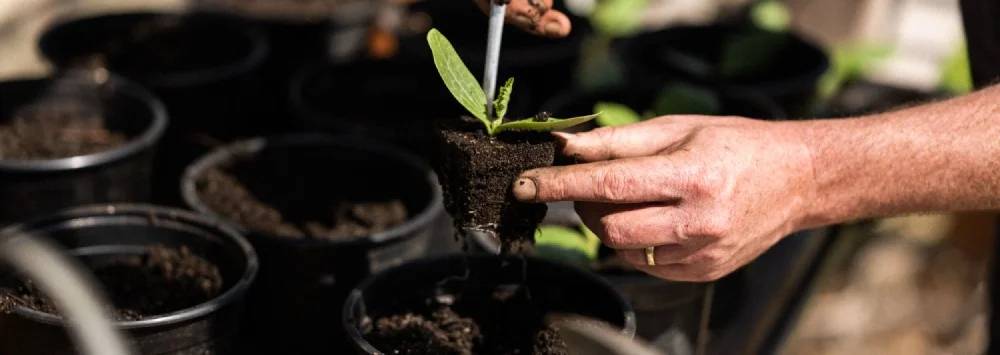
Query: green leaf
618	18
565	244
503	96
771	15
615	114
456	76
679	98
549	124
956	75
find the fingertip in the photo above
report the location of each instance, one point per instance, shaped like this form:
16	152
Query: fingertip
554	24
525	189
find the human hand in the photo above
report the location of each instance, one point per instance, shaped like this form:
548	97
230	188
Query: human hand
710	193
535	16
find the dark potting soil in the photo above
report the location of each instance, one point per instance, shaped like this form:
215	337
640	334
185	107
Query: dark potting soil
227	194
54	131
477	171
508	324
161	281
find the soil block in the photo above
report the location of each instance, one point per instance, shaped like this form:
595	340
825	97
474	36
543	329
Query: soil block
477	172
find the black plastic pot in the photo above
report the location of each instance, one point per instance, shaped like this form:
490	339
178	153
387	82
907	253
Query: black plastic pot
205	68
303	281
469	280
692	53
122	174
545	66
102	232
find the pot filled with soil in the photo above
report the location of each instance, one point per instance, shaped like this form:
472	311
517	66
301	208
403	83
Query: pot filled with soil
205	68
75	139
542	66
175	280
780	65
324	213
476	305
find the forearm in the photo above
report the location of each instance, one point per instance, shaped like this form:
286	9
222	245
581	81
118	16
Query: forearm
938	157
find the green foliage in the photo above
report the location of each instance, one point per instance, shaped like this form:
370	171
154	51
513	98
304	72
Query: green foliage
615	114
457	77
467	91
574	246
618	18
848	62
503	97
956	75
771	15
543	125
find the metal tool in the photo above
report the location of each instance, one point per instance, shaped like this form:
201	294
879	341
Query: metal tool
498	9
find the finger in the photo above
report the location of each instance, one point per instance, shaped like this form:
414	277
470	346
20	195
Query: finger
633	226
635	180
635	140
553	24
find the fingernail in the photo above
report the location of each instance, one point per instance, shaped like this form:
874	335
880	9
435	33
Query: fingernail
553	28
525	189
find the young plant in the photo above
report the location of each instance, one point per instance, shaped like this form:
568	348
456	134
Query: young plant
578	246
467	91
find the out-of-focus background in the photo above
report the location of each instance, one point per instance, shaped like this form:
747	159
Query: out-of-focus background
907	285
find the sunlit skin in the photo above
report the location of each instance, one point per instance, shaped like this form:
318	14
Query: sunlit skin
713	193
535	16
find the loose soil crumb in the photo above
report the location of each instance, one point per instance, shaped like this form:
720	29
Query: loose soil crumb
162	281
225	193
477	171
54	131
508	324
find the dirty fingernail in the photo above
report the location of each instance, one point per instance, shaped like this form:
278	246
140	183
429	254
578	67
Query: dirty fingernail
562	138
525	189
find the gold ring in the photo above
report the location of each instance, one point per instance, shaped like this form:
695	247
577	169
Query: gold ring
651	256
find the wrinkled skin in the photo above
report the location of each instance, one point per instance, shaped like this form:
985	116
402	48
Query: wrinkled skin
535	16
677	183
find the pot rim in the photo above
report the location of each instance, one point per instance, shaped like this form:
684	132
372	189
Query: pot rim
121	87
773	85
354	299
258	52
227	153
234	293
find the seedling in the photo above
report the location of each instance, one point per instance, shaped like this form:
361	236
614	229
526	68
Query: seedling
467	91
578	246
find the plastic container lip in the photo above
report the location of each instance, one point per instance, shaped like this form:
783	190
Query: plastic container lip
258	51
153	132
355	299
432	209
91	215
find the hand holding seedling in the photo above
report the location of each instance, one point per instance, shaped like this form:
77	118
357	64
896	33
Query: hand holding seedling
689	185
712	193
535	16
